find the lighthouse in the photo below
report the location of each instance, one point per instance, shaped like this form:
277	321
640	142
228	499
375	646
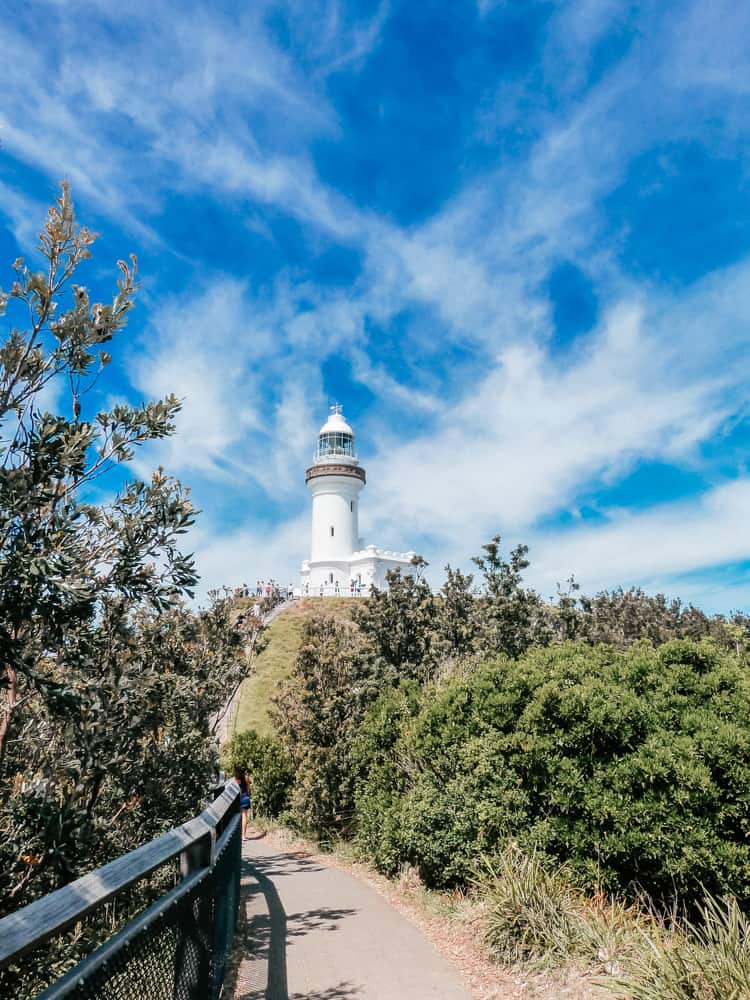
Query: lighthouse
340	564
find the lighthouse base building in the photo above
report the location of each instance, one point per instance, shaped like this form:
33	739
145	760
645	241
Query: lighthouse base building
340	563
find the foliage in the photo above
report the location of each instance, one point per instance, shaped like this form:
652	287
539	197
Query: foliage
511	617
633	767
398	622
415	633
371	756
623	617
269	767
107	681
316	715
708	959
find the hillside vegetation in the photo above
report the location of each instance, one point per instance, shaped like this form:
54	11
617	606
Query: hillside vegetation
591	748
275	663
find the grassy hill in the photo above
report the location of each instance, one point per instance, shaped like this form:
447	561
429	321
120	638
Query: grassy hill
274	664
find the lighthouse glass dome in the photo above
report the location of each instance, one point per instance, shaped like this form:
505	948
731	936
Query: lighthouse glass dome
335	443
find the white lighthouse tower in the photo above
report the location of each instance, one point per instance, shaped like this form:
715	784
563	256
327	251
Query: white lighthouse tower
339	563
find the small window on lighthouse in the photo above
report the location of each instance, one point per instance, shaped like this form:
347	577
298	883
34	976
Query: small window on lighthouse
330	577
351	506
331	531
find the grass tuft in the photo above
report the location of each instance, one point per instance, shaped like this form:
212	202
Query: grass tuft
534	915
706	960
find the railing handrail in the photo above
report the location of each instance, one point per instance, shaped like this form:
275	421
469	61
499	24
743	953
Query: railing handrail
34	924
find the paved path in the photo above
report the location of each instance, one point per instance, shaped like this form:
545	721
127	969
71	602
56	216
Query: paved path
318	933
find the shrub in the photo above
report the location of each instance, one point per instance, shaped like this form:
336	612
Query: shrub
268	765
441	821
534	913
633	767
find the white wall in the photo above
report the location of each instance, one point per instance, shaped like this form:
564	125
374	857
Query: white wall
333	498
370	569
320	574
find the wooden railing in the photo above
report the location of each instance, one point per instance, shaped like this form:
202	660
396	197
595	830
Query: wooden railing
209	849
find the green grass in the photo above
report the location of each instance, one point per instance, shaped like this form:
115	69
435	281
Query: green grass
274	664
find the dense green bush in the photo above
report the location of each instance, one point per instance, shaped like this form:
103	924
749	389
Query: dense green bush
633	767
268	765
630	763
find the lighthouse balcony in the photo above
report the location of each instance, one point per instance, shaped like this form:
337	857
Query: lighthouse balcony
334	468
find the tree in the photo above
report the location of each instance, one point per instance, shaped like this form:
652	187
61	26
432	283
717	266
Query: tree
316	715
512	618
106	679
398	622
457	620
269	766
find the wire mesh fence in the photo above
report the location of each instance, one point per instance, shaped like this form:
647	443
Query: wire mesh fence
226	890
175	950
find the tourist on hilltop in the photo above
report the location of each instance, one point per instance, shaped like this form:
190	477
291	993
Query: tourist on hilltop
241	779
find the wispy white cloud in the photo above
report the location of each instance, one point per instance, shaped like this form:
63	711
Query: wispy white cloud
655	548
203	111
226	111
24	214
200	350
338	47
535	432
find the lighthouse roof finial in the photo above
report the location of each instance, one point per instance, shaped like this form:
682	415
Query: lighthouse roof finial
336	422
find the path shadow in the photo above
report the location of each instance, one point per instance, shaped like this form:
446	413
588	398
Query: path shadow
276	865
342	991
266	935
323	918
272	928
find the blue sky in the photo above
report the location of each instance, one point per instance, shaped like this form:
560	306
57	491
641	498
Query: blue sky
513	239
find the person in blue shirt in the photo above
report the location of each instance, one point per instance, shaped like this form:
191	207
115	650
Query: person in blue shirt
242	779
